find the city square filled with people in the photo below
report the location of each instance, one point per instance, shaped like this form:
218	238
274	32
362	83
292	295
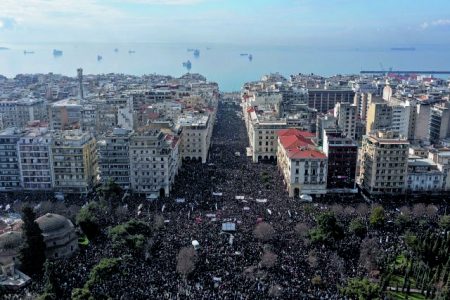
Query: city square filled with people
267	252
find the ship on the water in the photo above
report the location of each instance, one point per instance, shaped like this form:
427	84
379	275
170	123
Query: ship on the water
244	54
116	50
4	48
250	57
196	53
403	49
28	52
131	51
187	65
99	57
57	52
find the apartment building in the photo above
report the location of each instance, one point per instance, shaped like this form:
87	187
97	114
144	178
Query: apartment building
196	131
423	176
342	154
74	157
303	166
384	163
439	123
9	160
114	157
34	153
441	157
153	162
345	114
389	116
325	99
66	114
18	113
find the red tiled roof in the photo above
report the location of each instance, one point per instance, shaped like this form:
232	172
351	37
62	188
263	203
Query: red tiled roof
298	144
296	132
300	153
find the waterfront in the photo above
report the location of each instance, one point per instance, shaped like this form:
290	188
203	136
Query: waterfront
218	62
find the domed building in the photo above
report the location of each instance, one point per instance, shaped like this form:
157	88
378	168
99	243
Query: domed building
59	235
10	243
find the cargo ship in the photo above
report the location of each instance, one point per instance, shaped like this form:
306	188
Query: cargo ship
57	52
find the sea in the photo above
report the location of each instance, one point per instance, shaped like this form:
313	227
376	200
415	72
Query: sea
222	63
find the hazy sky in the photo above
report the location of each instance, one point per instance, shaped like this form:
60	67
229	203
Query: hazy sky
353	23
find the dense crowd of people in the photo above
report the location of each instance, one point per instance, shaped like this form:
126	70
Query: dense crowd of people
229	265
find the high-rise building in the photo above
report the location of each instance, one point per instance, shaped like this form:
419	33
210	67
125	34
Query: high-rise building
154	162
196	132
36	168
9	160
114	157
439	123
80	83
324	122
384	163
325	99
342	153
18	113
345	113
66	114
74	158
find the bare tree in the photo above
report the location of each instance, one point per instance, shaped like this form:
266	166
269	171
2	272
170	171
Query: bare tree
19	205
337	209
302	229
186	260
431	211
337	263
405	210
158	222
316	280
72	212
362	210
268	259
264	232
44	207
349	211
369	254
313	260
419	210
121	212
275	291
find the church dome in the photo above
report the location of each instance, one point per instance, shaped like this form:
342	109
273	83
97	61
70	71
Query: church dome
10	240
53	222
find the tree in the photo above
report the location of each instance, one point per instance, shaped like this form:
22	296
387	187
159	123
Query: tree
377	216
264	232
32	253
402	222
81	294
361	289
131	234
369	254
327	229
444	223
357	227
111	190
51	289
301	230
88	218
186	260
102	272
268	259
